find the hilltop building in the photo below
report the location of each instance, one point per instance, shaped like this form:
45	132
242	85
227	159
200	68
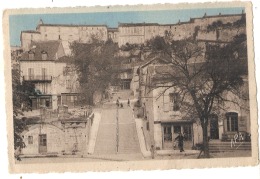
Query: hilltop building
128	33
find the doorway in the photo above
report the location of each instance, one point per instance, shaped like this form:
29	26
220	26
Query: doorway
214	132
42	143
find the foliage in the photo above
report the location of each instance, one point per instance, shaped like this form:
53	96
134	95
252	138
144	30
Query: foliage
94	63
220	25
21	102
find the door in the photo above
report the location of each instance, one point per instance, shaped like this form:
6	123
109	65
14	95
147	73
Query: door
34	103
42	143
214	133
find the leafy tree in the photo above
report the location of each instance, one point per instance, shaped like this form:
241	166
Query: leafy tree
95	63
203	73
21	102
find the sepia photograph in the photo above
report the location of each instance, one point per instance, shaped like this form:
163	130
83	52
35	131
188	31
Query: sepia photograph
116	85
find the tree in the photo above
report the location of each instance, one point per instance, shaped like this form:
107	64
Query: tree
21	102
94	63
202	73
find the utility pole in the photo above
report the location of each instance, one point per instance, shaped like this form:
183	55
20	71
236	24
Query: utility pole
117	130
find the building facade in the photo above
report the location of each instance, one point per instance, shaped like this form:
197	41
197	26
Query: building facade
45	66
128	33
163	119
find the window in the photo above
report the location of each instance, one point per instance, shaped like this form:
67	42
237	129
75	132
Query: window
44	55
65	71
175	101
232	121
30	139
147	126
68	84
31	55
176	129
44	73
31	73
47	103
187	132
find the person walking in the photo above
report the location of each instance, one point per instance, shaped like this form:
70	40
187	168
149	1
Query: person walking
180	140
117	103
152	151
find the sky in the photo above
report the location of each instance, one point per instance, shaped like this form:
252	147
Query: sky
22	22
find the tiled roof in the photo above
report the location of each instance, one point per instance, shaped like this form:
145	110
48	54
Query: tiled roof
51	47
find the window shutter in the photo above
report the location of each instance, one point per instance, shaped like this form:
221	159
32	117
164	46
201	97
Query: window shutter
166	102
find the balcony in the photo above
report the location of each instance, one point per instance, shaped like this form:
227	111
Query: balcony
38	78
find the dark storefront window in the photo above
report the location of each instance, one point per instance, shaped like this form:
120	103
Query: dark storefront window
167	133
187	132
176	129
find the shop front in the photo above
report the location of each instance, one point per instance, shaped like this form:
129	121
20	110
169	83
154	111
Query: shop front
172	129
41	101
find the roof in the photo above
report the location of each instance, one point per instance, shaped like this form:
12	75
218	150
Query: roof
154	59
220	15
137	24
112	29
64	59
30	31
72	25
50	47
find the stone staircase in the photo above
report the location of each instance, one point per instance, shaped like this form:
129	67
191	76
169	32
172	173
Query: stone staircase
128	139
123	95
218	146
106	137
106	143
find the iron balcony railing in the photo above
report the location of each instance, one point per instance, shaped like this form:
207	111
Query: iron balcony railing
38	78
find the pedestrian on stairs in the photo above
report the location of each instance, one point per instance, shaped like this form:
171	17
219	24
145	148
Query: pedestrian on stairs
117	103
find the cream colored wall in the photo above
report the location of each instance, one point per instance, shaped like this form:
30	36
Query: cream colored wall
131	35
55	138
37	66
77	135
27	38
59	140
150	32
58	84
204	22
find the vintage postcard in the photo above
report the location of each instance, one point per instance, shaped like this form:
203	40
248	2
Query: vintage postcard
130	87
